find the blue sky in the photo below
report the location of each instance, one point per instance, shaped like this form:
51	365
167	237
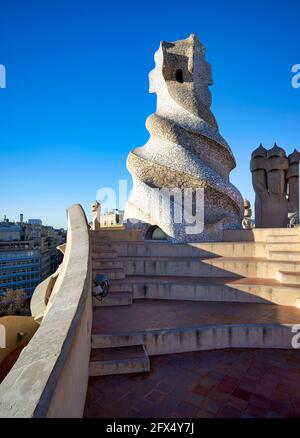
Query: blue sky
77	89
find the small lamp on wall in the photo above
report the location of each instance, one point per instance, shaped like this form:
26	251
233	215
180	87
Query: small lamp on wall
101	286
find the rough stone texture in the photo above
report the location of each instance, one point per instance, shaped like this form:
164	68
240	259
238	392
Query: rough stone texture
275	181
185	151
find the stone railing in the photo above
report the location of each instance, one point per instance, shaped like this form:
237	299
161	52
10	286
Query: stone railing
51	375
42	294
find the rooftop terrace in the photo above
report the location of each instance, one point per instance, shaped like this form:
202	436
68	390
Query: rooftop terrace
186	330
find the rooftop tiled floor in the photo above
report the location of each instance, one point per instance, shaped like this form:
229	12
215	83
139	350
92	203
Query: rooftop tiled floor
222	383
152	314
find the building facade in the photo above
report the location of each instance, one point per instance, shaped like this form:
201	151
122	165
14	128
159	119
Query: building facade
20	267
28	254
112	218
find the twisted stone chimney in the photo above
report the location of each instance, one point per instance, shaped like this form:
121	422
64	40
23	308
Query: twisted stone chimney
185	153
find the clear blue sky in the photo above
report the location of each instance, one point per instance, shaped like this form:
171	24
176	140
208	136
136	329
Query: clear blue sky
77	89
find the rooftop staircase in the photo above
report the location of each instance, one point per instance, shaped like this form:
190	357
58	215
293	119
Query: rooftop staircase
168	298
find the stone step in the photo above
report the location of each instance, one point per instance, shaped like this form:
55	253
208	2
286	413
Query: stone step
254	267
100	247
223	249
257	234
181	266
226	290
207	267
104	254
197	250
120	286
289	238
206	337
289	277
167	327
95	236
120	360
112	273
293	246
114	299
285	255
106	264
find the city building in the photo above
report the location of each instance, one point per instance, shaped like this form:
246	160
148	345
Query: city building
28	254
112	218
20	263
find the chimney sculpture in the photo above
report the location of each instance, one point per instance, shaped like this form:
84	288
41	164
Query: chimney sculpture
275	182
185	155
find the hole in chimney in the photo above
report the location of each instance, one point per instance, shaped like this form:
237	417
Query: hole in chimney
179	76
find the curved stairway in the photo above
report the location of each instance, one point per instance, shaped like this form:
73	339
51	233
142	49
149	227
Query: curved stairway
168	298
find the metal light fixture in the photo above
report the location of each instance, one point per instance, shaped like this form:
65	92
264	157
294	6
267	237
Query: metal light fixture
293	219
101	286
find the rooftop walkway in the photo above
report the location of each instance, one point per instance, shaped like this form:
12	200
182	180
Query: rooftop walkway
191	330
153	314
213	384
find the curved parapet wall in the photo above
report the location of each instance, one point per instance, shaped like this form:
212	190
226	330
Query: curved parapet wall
41	296
185	153
50	377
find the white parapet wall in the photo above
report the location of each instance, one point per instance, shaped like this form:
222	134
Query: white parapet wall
50	377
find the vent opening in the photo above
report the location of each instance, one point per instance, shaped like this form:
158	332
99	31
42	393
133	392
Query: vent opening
179	76
155	233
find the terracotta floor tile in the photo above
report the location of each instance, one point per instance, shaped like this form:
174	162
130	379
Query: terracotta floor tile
230	380
164	387
256	411
230	412
237	403
226	387
223	388
280	408
201	390
203	414
210	405
187	410
248	384
241	394
155	396
170	314
219	396
193	398
259	401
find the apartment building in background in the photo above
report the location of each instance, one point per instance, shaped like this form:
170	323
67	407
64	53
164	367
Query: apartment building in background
112	218
28	254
